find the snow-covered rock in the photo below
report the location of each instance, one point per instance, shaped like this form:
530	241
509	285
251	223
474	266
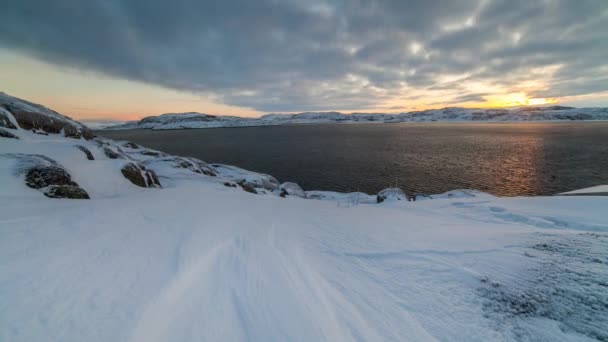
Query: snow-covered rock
45	174
199	120
137	174
250	178
390	195
31	116
291	189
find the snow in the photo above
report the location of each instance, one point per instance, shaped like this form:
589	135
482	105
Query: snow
594	190
199	120
201	261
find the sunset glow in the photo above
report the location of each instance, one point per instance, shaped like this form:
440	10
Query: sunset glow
518	99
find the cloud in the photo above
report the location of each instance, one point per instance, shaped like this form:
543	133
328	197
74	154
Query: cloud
319	54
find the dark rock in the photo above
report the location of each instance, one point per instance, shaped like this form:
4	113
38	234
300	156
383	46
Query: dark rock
230	184
66	191
391	194
6	134
47	175
131	145
291	189
31	120
152	153
5	121
42	176
86	151
140	176
248	187
111	154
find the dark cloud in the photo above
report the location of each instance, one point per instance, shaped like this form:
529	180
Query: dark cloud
320	54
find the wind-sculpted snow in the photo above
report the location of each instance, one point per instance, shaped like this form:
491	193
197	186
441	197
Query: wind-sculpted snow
198	120
202	260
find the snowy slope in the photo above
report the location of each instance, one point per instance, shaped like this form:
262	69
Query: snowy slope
198	120
202	260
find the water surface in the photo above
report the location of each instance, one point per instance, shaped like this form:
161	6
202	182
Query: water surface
506	159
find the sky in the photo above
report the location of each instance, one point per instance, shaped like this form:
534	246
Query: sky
125	59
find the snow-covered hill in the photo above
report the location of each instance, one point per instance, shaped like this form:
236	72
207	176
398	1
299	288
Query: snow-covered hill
166	248
198	120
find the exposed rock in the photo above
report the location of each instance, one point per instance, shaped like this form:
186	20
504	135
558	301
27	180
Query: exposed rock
47	175
131	145
291	189
6	134
39	177
30	120
86	151
66	191
248	187
192	164
230	184
196	165
152	153
5	119
140	176
111	153
391	194
253	179
32	116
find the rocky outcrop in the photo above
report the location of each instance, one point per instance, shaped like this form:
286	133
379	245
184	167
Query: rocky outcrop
86	151
34	117
391	194
6	134
195	165
291	189
47	175
140	176
252	179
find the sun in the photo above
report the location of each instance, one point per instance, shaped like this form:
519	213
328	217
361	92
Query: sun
518	99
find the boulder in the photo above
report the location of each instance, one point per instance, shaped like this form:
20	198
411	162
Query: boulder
86	151
6	134
66	191
47	175
39	177
391	194
291	189
140	176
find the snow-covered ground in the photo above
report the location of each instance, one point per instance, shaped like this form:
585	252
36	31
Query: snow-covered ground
202	260
198	120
